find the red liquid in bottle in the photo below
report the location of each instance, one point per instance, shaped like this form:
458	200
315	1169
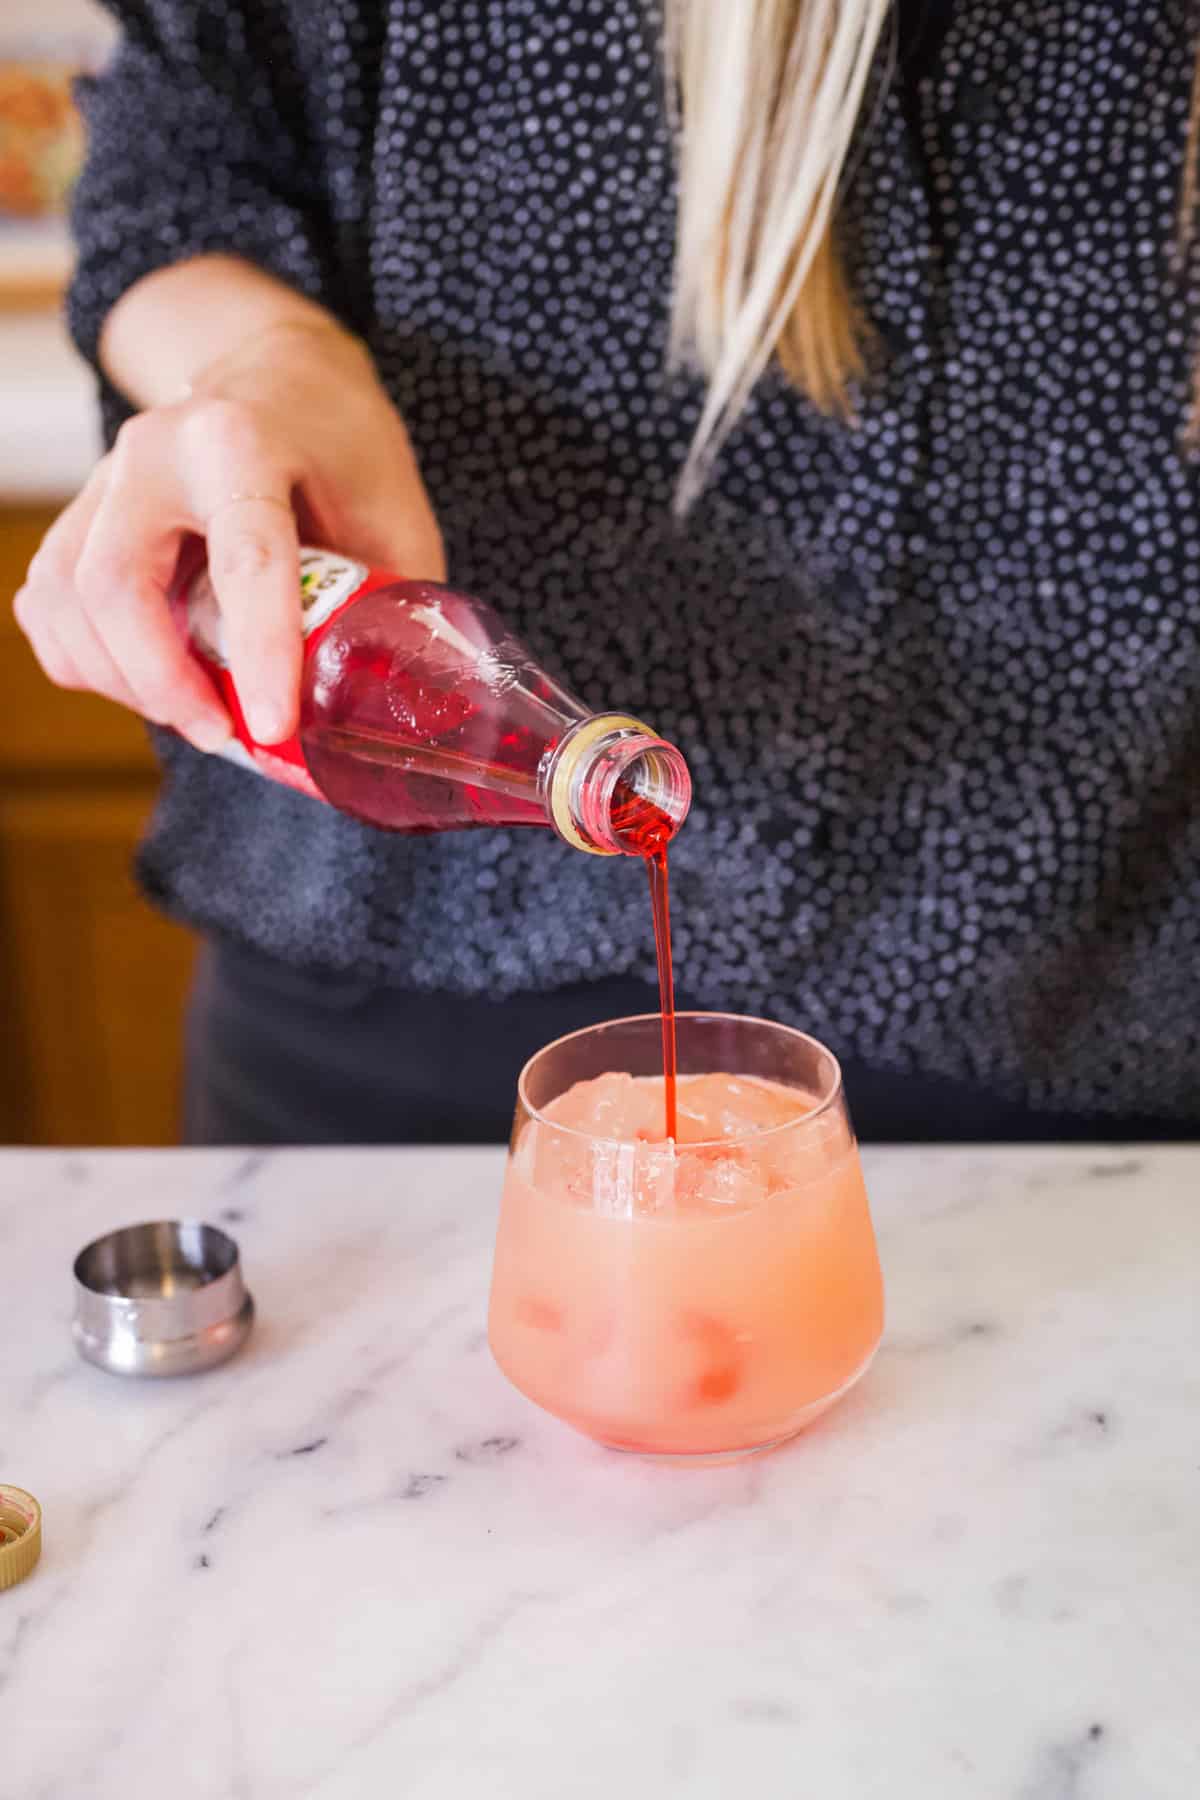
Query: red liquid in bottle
421	713
423	743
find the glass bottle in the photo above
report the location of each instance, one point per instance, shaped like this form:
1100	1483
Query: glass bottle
420	712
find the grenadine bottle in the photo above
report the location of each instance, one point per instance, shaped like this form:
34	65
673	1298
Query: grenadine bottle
419	712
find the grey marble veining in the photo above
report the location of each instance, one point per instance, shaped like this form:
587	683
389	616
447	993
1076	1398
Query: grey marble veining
354	1563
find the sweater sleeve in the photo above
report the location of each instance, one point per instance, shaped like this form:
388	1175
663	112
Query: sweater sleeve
197	141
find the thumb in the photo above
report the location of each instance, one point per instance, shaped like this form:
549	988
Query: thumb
392	526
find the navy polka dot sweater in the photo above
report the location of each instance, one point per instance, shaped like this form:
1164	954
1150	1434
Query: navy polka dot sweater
937	673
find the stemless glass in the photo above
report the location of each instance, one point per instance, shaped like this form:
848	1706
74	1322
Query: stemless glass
704	1300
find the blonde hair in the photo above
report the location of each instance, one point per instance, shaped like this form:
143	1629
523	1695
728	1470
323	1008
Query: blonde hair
768	95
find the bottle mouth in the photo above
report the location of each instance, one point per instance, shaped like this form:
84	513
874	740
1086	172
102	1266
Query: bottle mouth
619	790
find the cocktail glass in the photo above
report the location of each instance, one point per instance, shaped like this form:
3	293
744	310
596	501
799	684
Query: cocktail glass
704	1299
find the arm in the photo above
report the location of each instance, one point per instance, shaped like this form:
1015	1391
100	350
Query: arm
175	323
200	297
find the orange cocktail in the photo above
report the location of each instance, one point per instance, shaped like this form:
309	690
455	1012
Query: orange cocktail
704	1297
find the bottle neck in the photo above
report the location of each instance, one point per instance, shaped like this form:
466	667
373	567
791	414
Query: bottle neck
613	788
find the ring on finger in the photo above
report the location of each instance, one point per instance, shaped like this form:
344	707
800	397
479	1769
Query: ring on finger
241	499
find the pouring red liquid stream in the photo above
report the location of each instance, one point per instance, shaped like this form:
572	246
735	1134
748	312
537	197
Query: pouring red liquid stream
660	902
647	830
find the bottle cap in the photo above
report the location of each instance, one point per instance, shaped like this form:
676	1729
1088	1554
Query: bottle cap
20	1535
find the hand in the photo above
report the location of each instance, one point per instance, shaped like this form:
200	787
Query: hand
289	433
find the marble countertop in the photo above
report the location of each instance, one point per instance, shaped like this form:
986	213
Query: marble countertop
354	1563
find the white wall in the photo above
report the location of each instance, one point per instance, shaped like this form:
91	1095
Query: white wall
22	19
48	433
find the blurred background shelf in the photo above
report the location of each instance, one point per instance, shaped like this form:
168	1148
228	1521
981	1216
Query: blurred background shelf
94	981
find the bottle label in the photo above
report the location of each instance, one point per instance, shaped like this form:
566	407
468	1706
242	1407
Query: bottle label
328	584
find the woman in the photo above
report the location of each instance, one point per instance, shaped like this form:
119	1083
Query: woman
902	552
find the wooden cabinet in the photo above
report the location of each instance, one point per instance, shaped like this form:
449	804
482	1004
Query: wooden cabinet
94	982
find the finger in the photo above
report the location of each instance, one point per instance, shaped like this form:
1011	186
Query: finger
53	566
239	483
79	641
49	589
50	579
67	647
53	607
123	577
253	561
62	669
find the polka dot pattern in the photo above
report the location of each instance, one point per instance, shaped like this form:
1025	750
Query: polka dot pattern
937	673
